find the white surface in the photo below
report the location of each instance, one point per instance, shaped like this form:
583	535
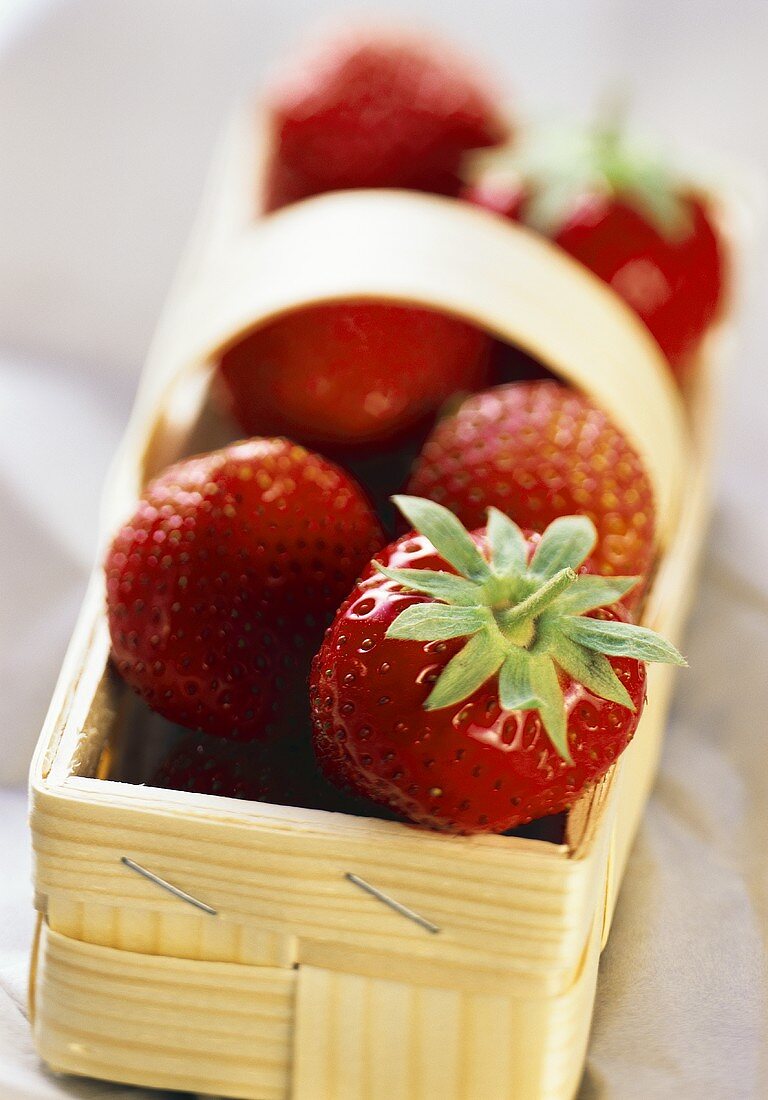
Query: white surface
107	115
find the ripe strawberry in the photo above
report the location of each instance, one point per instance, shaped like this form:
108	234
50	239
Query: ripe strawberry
377	110
626	219
258	773
284	773
351	373
539	450
673	281
220	586
484	734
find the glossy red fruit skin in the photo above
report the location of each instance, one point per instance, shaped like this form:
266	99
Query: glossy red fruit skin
377	110
538	450
351	374
674	283
466	769
220	586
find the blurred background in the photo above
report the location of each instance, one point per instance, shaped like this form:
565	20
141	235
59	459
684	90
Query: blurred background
109	110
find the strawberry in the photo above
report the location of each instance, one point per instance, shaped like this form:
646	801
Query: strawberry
220	586
538	450
283	773
377	110
623	215
672	279
352	373
258	773
474	683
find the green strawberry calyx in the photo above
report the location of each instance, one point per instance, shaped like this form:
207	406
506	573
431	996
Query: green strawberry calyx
523	619
562	165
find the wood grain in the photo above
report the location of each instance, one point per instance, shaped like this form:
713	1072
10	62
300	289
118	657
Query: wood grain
509	911
362	1038
167	1023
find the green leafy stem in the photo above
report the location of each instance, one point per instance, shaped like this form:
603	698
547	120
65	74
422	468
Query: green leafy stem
523	619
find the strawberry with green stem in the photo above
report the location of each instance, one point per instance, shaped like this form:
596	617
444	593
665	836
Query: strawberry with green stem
476	682
619	209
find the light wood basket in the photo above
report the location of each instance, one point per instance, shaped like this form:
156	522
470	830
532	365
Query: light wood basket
302	985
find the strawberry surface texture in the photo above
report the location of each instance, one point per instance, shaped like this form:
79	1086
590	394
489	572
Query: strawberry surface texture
221	584
538	450
375	109
475	682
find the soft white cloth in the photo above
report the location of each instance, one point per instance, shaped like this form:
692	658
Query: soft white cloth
107	116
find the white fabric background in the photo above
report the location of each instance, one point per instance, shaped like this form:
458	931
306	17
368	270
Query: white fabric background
108	110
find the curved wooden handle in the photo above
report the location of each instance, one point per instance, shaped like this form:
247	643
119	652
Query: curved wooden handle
406	247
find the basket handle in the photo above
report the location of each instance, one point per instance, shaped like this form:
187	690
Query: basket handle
405	247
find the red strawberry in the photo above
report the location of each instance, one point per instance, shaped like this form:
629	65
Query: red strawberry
672	279
353	373
484	734
625	218
539	450
220	586
377	110
284	773
258	773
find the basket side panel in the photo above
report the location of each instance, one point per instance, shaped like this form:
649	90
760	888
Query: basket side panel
177	933
362	1038
671	598
507	912
165	1023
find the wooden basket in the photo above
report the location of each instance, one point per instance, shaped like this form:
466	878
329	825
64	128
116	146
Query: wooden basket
302	984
